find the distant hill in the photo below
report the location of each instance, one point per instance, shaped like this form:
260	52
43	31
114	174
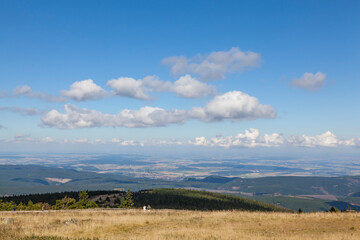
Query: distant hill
284	185
355	194
27	179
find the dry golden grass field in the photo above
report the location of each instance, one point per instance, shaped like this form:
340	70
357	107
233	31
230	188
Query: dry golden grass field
178	224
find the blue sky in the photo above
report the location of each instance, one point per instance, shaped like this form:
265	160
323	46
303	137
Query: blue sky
192	74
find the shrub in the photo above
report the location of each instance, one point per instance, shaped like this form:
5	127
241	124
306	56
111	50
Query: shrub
65	203
333	209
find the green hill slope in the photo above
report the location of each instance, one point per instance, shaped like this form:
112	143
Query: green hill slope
159	199
199	200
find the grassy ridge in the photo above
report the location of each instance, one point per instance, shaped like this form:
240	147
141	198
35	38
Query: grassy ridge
179	224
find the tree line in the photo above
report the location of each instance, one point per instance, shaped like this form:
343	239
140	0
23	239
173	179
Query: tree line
81	202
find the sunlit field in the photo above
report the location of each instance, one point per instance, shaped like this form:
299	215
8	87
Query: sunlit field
179	224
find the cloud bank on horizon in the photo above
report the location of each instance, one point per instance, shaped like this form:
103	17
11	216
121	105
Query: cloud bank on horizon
249	139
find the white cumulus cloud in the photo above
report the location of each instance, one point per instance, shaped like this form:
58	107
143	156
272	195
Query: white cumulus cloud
129	87
327	139
152	83
214	65
185	86
310	81
189	87
234	105
84	90
75	117
251	138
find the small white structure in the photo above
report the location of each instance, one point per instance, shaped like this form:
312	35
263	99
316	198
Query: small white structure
144	208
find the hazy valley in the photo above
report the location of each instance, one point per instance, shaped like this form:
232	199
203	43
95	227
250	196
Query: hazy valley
285	182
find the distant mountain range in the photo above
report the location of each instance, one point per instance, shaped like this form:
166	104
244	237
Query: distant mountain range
308	193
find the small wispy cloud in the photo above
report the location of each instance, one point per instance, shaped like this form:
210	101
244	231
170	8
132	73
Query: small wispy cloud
81	140
310	81
23	111
23	138
48	140
26	91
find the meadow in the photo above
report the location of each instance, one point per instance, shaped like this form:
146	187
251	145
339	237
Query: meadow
177	224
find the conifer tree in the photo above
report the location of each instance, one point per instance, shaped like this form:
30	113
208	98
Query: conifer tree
127	201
